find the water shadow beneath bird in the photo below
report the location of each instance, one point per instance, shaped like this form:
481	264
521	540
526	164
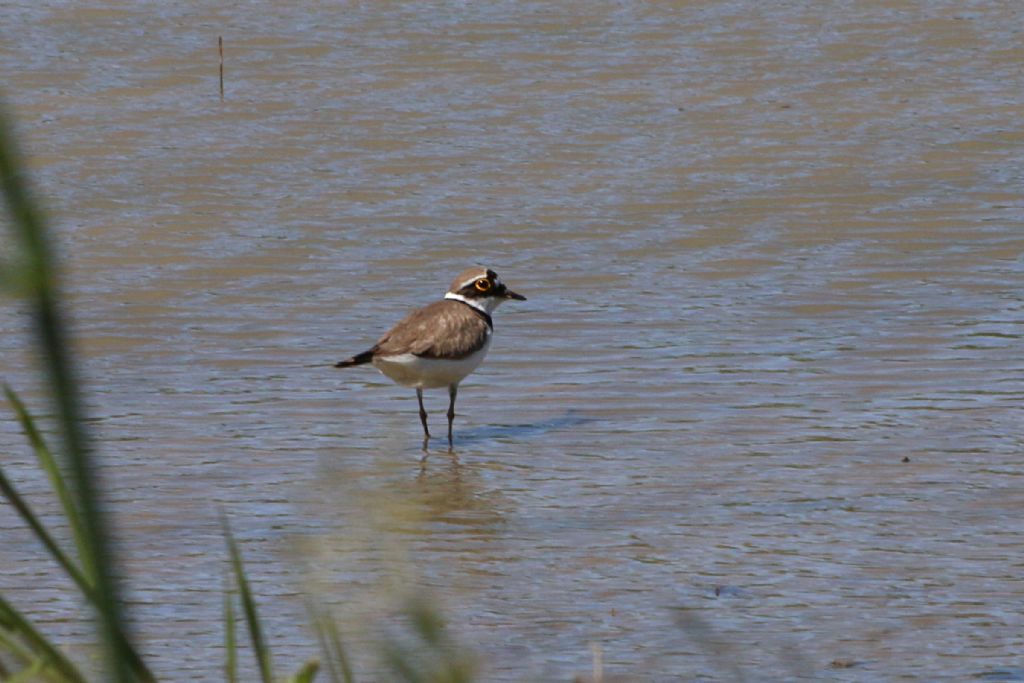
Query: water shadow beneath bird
524	431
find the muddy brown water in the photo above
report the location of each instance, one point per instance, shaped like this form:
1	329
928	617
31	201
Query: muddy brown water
760	418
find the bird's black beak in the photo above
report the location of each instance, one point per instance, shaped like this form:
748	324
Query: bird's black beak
509	294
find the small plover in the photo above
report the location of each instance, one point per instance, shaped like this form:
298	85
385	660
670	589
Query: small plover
438	345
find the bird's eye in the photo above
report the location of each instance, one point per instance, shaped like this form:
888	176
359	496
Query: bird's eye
482	285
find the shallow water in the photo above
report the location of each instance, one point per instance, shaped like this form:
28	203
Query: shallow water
759	419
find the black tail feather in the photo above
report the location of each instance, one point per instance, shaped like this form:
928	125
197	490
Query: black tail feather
358	359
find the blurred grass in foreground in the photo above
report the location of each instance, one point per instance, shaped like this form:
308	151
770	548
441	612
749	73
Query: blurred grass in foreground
26	653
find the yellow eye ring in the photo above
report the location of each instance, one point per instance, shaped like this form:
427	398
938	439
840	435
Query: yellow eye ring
482	285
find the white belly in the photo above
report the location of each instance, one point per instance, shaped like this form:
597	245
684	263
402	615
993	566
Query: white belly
428	373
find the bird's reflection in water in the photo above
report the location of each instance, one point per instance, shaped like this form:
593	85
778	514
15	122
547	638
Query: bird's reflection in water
446	460
452	486
449	490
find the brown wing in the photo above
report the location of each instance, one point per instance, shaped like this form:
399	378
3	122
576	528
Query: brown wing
444	329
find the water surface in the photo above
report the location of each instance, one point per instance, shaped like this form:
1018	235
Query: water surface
759	419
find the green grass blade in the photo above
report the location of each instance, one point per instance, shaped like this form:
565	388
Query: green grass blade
49	465
426	621
41	294
399	660
15	623
252	620
25	511
430	657
15	650
307	673
8	491
18	503
230	644
338	666
30	674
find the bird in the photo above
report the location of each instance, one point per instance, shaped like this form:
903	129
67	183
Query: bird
440	344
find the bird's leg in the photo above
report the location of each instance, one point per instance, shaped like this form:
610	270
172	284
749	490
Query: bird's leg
423	416
453	391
